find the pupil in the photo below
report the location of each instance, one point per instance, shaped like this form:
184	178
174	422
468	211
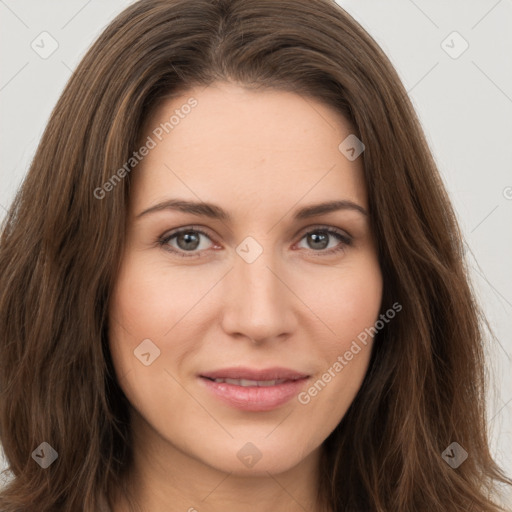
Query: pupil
189	237
322	239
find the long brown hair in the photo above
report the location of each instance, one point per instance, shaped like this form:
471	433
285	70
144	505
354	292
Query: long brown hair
61	247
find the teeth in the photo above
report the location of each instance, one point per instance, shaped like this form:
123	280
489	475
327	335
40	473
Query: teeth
269	382
241	382
247	383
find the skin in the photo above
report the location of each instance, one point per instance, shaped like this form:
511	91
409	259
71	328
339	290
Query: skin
260	155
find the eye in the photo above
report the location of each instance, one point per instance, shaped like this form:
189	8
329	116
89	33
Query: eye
318	239
188	240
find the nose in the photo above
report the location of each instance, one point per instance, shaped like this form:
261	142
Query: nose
258	304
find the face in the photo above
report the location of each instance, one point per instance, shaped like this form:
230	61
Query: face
263	295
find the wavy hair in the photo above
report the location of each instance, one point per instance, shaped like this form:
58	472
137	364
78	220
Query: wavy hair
61	246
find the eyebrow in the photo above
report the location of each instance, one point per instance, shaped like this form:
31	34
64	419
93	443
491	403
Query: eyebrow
216	212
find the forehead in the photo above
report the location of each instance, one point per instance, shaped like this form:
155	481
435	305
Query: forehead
246	147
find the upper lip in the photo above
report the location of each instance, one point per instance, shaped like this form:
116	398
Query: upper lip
274	373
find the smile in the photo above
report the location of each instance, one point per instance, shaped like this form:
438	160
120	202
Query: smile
254	390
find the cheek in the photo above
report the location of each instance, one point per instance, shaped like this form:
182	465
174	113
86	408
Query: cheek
149	300
349	305
358	304
144	306
346	302
137	312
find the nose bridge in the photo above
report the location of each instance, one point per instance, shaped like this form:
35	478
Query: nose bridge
258	303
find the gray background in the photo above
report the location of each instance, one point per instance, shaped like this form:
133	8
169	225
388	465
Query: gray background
464	103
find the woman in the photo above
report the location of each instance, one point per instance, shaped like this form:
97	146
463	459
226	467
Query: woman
316	347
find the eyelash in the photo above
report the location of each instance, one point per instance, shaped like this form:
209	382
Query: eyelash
342	237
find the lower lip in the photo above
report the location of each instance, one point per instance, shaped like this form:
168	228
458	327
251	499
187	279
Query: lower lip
254	398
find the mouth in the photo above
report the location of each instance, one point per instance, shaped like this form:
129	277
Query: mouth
249	383
254	390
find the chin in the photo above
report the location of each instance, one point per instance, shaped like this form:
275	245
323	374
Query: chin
257	457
